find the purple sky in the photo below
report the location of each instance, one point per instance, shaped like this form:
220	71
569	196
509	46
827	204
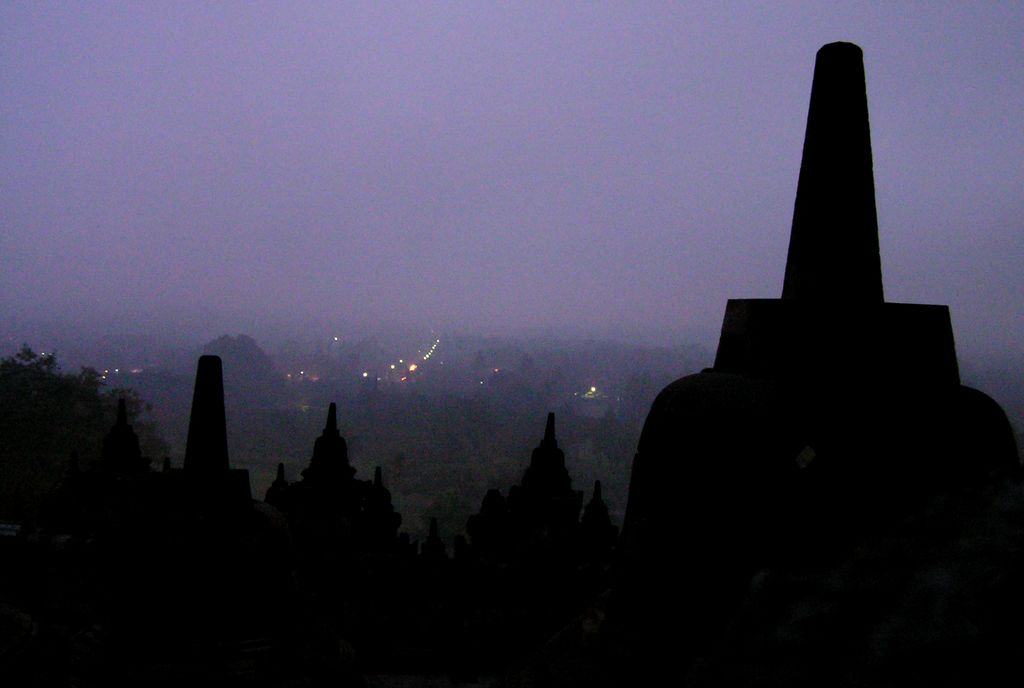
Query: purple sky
608	168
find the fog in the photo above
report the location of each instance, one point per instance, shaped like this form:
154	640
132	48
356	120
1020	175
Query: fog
611	170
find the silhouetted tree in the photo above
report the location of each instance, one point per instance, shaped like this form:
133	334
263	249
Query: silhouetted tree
44	416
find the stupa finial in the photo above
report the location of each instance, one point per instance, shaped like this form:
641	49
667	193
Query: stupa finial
833	245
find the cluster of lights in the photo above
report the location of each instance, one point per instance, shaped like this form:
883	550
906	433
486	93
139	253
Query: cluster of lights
433	348
402	366
117	371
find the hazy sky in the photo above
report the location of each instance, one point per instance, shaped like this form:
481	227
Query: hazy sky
589	167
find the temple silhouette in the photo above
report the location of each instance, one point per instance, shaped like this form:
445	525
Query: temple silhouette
780	501
190	578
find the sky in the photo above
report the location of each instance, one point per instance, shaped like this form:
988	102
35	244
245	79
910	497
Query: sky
608	169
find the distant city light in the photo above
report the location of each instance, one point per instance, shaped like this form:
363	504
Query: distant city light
335	339
497	369
433	348
403	379
593	389
392	366
412	367
401	361
366	375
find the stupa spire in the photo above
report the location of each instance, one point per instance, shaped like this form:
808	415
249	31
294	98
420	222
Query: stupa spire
833	246
121	445
332	419
206	449
330	453
549	431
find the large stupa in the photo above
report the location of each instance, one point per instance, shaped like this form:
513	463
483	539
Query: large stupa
828	414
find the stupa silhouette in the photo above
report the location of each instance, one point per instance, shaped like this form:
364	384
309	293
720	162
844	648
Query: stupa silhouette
212	482
828	414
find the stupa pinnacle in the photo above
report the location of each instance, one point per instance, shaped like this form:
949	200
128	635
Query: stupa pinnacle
833	245
206	449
